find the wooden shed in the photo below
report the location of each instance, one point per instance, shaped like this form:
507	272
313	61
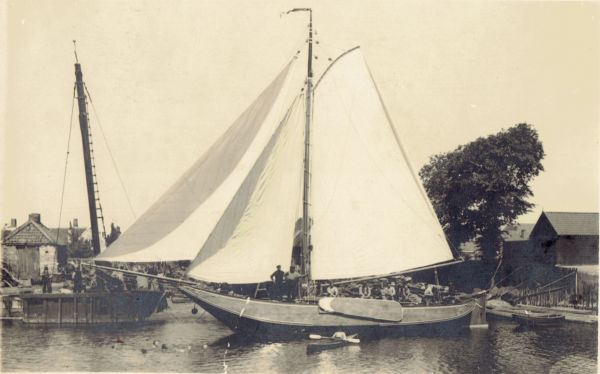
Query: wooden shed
31	246
566	238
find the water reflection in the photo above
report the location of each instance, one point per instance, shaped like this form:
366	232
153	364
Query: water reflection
198	343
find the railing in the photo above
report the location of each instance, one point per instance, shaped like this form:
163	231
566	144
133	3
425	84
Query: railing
563	294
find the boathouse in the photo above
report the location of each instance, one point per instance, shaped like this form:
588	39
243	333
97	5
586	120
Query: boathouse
558	263
566	238
29	247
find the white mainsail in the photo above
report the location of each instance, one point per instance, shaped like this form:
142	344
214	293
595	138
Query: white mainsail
256	232
176	226
369	214
234	212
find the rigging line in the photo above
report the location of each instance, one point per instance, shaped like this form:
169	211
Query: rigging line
298	46
110	152
62	194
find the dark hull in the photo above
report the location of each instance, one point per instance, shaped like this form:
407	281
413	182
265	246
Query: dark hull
322	346
278	320
539	320
92	307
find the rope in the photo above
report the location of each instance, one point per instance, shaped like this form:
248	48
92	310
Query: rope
110	153
62	194
495	272
511	273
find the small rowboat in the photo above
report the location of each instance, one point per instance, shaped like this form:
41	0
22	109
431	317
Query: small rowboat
324	343
538	319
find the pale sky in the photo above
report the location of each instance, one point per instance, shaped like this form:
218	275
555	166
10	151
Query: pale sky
167	78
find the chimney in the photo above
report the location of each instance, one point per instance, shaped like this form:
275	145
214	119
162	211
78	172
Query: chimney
75	222
13	222
522	234
35	217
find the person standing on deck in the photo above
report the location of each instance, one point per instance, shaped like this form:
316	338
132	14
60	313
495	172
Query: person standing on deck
277	278
364	291
332	290
291	280
384	289
117	276
390	293
428	294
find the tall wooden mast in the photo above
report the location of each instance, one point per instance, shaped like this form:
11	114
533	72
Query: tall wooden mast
87	155
306	245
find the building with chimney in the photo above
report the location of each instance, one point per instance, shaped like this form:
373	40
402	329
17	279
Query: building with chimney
28	248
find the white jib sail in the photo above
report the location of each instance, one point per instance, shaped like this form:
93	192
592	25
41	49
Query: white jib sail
369	214
256	232
175	227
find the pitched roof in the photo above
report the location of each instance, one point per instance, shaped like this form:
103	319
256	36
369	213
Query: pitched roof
571	223
34	233
517	232
31	233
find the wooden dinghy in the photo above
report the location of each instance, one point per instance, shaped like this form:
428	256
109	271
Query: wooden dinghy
323	345
338	340
538	319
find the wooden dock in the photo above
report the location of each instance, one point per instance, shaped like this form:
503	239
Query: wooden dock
91	307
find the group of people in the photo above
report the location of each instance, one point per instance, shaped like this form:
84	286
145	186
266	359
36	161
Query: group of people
285	284
402	291
69	273
122	281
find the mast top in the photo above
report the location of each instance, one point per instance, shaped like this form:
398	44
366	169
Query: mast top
310	36
75	51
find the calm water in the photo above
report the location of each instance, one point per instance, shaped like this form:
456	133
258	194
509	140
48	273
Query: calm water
198	343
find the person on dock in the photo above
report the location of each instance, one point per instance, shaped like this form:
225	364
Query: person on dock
277	278
78	281
46	281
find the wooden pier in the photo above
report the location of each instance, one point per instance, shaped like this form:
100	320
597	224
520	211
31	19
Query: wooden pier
91	307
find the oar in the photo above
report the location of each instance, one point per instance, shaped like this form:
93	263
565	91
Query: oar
349	339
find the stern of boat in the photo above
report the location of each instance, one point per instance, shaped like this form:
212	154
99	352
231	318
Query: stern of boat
478	316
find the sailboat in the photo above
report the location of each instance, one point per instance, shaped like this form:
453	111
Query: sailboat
311	173
99	306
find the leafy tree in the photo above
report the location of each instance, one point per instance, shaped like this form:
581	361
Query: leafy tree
482	186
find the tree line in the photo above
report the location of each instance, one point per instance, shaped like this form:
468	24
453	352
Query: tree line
483	186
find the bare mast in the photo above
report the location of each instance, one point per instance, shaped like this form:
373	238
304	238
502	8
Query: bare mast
306	246
87	155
